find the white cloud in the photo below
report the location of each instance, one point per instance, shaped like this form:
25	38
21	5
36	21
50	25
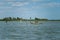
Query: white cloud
55	4
1	12
47	5
1	3
39	0
10	0
52	4
19	3
2	7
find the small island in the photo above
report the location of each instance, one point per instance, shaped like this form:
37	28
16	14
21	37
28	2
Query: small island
22	19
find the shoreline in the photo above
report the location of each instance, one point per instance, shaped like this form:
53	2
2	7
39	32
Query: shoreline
30	20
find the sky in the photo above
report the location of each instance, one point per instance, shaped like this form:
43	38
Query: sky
49	9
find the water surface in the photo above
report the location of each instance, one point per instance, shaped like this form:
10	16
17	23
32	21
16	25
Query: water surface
16	30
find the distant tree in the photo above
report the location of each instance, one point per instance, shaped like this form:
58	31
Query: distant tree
41	19
14	19
10	18
37	18
7	18
18	18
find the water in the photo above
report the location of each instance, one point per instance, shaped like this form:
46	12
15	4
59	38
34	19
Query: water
15	30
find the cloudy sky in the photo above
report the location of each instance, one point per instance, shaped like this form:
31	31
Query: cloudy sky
30	8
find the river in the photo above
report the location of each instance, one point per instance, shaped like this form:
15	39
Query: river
16	30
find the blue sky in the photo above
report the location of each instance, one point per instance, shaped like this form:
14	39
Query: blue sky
30	8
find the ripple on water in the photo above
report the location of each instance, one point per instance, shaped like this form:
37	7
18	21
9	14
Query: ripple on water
27	31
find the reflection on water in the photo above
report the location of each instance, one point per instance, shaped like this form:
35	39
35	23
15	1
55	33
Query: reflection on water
15	30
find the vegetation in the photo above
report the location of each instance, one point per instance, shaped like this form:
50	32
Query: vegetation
11	19
41	19
21	19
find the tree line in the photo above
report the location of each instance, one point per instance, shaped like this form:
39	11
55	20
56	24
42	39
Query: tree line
18	19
